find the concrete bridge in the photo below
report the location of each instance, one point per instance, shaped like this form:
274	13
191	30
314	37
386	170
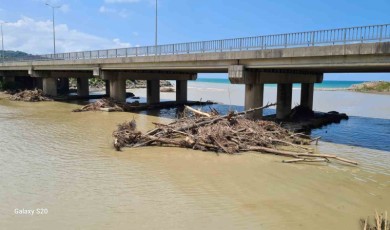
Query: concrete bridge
283	59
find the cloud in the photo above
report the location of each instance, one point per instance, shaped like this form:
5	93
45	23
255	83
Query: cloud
65	8
104	9
36	37
123	13
121	1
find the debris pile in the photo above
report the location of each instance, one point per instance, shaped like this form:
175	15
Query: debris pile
231	133
106	104
30	96
167	89
300	113
112	105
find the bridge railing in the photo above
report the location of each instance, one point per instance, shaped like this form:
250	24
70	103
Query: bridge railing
362	34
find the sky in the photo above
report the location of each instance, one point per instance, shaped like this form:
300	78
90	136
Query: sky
104	24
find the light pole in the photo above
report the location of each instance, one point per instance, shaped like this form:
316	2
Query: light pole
156	30
54	29
2	43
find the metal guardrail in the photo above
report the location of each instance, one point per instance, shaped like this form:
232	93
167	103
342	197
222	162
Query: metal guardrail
352	35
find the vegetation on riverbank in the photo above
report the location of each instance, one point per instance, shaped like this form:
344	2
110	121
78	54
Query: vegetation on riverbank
372	87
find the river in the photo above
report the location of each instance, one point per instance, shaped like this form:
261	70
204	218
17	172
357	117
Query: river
64	162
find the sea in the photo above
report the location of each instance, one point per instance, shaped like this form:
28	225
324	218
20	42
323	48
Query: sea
325	84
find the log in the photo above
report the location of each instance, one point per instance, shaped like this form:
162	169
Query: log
304	160
197	111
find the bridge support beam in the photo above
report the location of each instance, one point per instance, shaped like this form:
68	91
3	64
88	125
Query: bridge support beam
307	94
181	90
284	100
49	86
107	82
82	87
254	94
153	91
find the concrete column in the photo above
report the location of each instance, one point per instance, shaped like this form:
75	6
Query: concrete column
181	90
82	87
118	89
284	100
307	93
254	94
153	91
107	87
49	86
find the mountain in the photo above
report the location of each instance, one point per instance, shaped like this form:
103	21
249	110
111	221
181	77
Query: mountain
15	54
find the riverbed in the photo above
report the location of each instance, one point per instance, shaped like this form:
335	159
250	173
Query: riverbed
64	162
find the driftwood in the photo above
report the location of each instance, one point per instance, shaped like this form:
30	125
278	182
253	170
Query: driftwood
197	111
35	95
112	105
167	89
107	105
231	133
380	222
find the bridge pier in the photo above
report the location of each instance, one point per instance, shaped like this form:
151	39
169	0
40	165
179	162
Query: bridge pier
181	90
254	80
284	100
82	87
307	95
107	82
254	94
118	89
49	86
153	91
116	83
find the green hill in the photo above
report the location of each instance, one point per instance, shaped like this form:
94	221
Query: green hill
8	54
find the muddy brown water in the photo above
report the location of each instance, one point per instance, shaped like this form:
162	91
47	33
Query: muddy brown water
64	162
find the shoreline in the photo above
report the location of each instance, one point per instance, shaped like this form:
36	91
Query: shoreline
352	88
